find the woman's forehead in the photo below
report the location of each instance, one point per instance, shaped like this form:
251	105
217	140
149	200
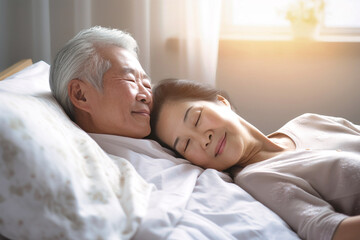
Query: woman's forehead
184	102
173	107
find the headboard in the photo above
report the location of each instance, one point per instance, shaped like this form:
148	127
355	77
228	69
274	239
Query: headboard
15	68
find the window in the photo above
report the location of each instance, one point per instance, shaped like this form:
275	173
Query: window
267	18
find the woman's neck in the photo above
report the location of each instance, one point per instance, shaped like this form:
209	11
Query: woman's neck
262	147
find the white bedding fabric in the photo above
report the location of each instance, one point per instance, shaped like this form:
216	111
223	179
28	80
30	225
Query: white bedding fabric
190	202
179	200
55	181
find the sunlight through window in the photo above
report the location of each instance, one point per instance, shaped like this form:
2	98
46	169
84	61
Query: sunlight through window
258	13
342	13
270	18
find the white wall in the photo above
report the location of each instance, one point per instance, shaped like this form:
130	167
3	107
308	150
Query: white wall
272	82
15	37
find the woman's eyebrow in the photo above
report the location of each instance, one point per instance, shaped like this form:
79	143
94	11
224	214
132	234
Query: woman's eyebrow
187	112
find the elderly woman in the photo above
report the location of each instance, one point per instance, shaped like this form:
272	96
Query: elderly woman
308	171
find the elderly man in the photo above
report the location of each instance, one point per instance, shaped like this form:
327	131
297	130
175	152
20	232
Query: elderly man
99	82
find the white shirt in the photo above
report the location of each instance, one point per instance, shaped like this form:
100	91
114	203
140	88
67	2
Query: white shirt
316	186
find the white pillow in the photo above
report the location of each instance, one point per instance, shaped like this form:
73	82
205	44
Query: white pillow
30	81
55	181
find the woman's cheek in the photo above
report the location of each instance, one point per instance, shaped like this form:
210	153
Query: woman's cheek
192	157
198	159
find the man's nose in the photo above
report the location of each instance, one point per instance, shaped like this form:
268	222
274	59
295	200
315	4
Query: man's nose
144	95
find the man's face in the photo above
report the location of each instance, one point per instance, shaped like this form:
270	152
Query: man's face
123	106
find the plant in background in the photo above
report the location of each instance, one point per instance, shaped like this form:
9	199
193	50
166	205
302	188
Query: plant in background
306	11
305	17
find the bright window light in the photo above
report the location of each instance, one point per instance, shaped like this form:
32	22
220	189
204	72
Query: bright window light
258	13
268	17
342	14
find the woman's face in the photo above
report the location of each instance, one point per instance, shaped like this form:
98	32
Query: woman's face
208	134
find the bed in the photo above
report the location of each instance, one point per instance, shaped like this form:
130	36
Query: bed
57	182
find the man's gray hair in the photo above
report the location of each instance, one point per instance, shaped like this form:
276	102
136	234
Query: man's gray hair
80	59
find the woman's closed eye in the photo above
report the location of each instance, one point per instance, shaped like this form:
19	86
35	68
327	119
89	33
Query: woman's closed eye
188	141
186	145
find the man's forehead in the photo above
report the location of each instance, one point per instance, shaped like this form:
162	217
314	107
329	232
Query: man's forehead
122	59
110	52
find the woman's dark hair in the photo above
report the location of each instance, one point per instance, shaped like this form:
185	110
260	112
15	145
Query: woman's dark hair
179	89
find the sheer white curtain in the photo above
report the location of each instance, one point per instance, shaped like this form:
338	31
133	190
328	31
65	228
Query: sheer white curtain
36	29
184	39
200	25
177	38
24	27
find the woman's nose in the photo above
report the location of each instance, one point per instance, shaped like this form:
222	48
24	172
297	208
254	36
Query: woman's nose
206	139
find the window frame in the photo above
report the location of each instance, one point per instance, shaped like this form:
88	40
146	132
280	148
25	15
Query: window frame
230	31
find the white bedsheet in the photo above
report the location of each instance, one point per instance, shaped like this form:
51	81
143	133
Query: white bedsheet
190	202
186	201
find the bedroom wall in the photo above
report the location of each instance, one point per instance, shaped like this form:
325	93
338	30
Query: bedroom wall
38	29
271	82
13	45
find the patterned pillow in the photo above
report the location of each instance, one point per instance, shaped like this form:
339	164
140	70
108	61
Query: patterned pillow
56	182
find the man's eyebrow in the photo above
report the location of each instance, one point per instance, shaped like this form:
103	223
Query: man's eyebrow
185	116
133	71
145	76
128	70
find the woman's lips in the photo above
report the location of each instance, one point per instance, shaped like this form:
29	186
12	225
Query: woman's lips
220	146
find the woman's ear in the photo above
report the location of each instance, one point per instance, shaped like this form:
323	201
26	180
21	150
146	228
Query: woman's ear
78	90
223	100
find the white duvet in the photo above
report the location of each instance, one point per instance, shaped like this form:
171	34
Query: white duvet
46	162
190	202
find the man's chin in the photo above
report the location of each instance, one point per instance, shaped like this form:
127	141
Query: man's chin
140	132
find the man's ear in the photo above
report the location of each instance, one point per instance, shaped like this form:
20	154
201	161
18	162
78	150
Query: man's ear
223	100
78	91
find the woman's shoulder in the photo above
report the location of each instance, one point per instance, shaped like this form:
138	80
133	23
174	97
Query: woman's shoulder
322	132
322	121
311	117
313	120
